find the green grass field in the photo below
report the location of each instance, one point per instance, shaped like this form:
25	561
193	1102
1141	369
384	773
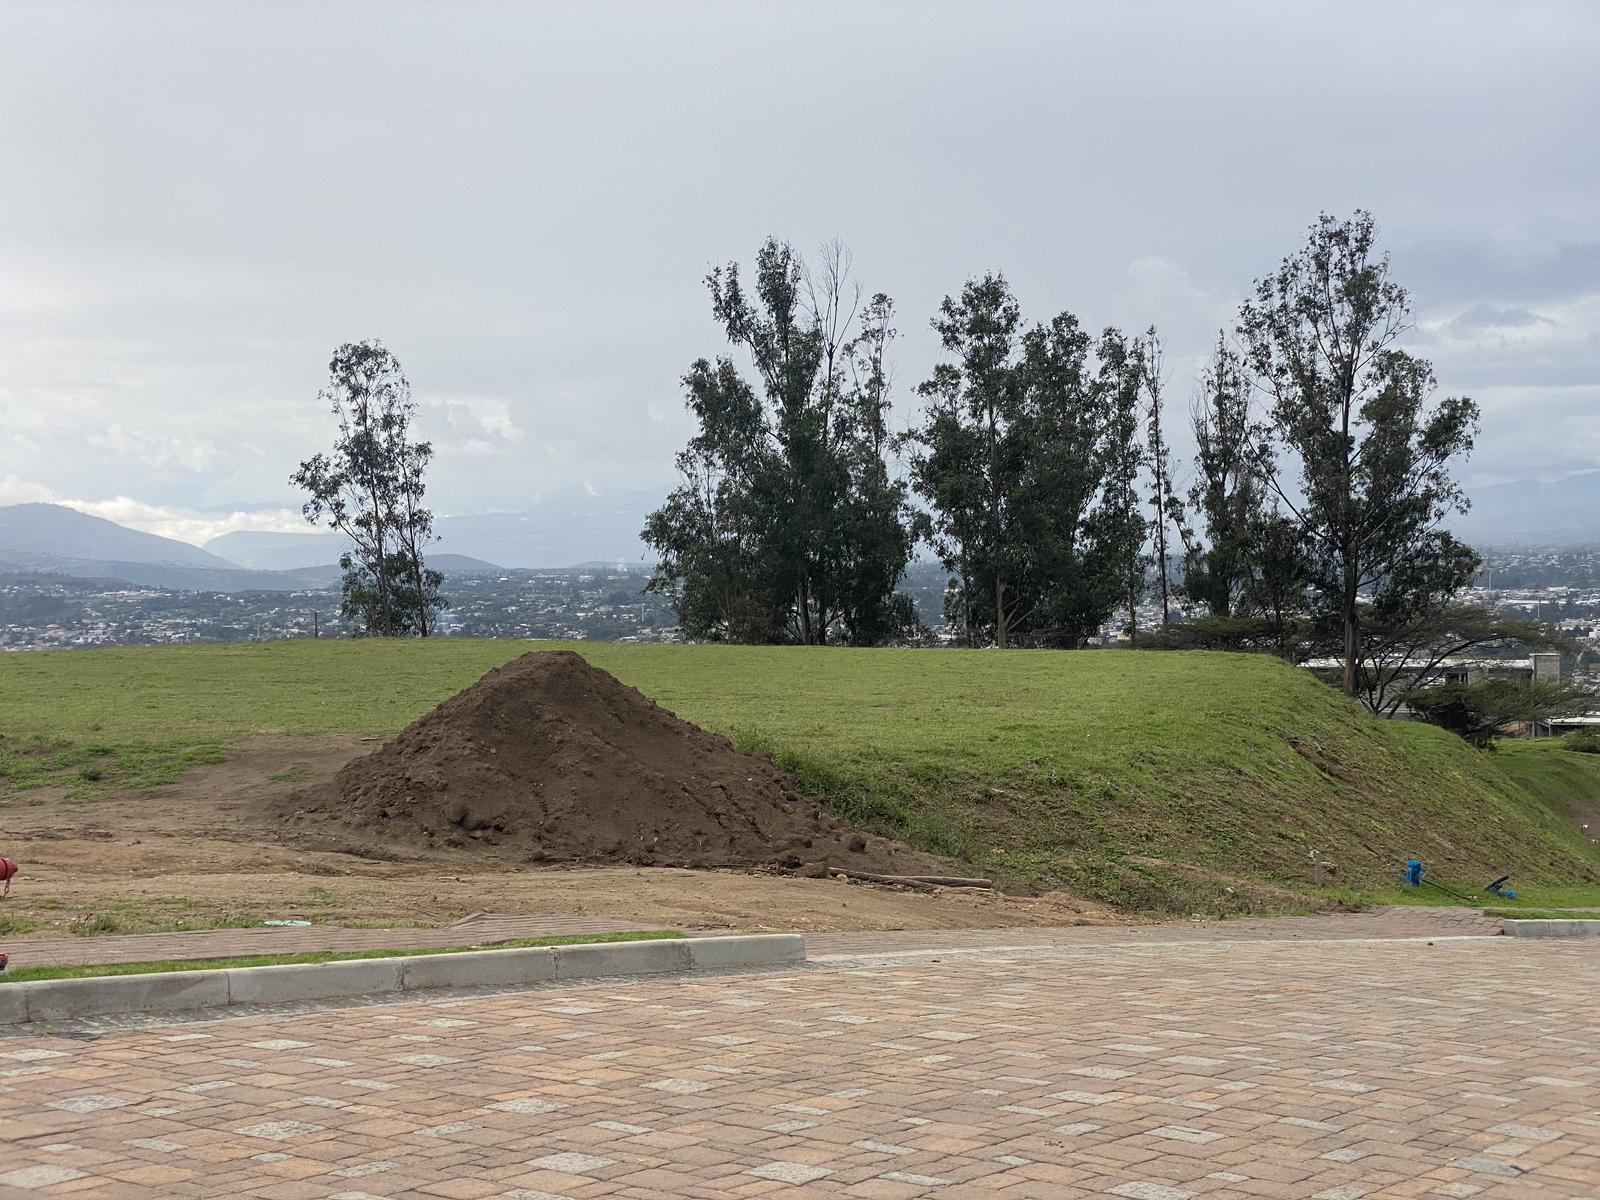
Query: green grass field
1155	780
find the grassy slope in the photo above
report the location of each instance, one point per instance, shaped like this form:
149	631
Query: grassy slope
1099	769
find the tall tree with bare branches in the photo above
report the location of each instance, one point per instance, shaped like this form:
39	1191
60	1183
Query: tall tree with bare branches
1165	504
1230	488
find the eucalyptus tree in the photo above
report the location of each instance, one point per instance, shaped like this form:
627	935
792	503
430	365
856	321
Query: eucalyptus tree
370	488
1124	526
1166	506
787	525
1230	487
1011	460
1372	446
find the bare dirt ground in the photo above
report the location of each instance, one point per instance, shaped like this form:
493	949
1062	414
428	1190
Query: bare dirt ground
1584	814
207	851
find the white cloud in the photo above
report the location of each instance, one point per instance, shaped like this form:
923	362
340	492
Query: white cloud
1543	432
1155	284
472	425
189	525
1485	329
169	297
1186	313
186	525
22	491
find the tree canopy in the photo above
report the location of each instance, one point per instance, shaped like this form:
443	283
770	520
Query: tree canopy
370	488
787	525
1370	446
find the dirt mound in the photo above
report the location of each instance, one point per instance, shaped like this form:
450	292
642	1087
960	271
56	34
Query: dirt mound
557	761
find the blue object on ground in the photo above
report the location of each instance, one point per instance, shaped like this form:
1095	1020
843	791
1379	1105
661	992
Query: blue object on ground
1413	875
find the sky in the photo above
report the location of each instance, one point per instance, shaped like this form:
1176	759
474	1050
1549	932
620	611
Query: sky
199	202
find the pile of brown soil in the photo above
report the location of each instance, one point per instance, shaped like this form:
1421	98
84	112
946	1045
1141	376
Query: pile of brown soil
558	761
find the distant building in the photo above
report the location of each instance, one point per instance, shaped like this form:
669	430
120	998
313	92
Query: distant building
1536	668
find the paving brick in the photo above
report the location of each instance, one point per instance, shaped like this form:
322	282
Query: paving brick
1192	1067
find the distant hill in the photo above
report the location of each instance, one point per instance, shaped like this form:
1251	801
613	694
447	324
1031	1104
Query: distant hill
1535	513
302	551
54	529
261	551
461	564
52	539
569	528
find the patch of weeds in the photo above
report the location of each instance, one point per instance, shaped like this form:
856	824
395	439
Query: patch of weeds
15	925
293	775
89	769
160	915
1550	914
96	923
26	765
147	765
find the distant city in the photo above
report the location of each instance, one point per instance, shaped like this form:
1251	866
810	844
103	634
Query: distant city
42	611
72	580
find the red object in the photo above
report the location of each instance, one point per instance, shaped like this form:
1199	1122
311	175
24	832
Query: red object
7	870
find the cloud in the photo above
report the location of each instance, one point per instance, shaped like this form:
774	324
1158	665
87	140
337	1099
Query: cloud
189	525
1536	432
186	525
1521	249
1514	349
22	491
155	450
1487	316
171	294
476	427
1186	312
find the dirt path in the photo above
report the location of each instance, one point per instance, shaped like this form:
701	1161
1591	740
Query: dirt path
205	851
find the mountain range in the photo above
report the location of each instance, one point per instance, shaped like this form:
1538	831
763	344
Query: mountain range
577	529
566	531
563	531
1535	514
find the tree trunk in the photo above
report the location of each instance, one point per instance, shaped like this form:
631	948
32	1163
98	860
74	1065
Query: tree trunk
1352	573
1133	589
1001	632
966	599
804	602
1351	639
422	606
1161	554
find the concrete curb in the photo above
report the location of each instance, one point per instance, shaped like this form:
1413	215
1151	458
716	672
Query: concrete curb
47	1000
1576	928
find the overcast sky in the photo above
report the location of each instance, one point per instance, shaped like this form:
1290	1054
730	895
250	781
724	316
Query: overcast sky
199	201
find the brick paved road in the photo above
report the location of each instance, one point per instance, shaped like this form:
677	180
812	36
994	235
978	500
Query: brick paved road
1332	1070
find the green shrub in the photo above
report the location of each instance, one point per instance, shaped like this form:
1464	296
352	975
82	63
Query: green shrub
1584	741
